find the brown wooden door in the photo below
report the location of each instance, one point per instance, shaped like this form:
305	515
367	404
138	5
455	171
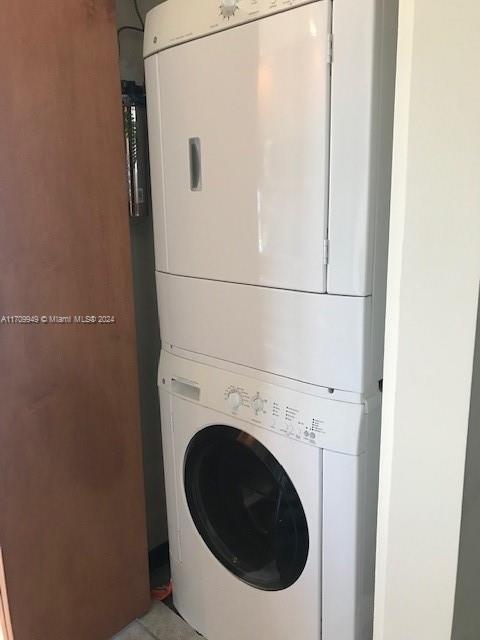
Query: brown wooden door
72	522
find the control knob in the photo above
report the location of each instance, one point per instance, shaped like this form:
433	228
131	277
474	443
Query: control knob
234	400
228	8
257	405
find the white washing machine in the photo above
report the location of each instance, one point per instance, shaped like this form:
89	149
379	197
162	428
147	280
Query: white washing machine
271	493
270	127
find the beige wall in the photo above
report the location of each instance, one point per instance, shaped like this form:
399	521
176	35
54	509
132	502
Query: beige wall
434	276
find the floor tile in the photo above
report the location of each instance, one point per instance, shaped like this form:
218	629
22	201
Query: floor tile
164	624
134	631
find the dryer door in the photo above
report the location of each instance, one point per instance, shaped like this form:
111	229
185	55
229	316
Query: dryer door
239	152
246	508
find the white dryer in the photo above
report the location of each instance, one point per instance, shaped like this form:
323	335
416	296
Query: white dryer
270	126
271	494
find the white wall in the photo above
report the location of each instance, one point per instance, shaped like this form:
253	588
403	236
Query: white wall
433	285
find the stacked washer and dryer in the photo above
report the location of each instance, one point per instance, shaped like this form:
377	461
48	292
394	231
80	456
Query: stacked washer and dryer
270	125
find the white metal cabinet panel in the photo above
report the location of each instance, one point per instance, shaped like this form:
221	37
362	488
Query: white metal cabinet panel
363	72
257	98
320	339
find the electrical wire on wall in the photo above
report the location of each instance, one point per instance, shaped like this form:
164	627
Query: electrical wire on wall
137	11
130	27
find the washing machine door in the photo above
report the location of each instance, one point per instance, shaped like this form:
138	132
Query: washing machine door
246	508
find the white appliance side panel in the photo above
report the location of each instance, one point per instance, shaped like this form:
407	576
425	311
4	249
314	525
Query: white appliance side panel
363	74
257	99
320	339
342	481
206	594
171	489
350	498
350	232
156	166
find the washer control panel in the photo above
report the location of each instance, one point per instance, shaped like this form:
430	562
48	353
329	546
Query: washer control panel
177	21
275	412
302	417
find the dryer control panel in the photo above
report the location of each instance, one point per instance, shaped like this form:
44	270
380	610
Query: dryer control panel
302	417
177	21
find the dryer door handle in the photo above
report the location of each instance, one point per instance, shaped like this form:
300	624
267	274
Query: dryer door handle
195	154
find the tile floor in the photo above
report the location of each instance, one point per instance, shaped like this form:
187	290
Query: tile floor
160	623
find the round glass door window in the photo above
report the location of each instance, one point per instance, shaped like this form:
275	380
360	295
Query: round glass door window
246	508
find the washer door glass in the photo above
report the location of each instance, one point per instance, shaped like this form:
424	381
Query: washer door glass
246	508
